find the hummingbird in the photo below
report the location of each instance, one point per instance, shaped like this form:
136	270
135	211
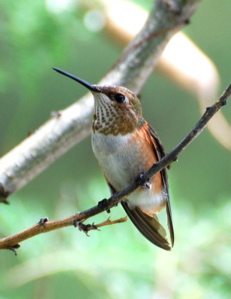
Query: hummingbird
126	146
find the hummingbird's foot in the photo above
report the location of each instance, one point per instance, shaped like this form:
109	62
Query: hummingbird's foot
84	227
146	184
43	220
104	205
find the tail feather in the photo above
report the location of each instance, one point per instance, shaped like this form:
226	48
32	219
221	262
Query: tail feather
148	226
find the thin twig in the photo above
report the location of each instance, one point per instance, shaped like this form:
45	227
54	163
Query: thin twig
44	225
87	227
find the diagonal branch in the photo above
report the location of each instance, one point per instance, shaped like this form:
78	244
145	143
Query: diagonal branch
45	225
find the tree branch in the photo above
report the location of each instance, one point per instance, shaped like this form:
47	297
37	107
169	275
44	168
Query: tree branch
45	225
72	125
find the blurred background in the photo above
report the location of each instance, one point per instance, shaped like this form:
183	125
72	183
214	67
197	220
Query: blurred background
116	262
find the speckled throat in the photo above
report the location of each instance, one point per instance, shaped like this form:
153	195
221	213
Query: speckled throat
111	118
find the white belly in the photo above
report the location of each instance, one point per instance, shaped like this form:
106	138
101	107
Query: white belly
121	164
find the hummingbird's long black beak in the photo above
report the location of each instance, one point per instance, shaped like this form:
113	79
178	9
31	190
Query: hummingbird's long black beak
84	83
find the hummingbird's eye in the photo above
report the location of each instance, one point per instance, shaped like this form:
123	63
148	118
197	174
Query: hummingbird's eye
119	97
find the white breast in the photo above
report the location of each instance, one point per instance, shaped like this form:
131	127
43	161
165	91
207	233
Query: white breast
115	158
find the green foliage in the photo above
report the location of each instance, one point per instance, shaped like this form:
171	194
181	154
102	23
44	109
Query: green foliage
117	262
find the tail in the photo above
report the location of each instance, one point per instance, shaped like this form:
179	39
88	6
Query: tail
148	226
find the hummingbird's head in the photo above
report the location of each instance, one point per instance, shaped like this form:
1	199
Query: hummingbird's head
117	109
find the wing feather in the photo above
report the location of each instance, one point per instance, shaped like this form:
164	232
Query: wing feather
160	154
